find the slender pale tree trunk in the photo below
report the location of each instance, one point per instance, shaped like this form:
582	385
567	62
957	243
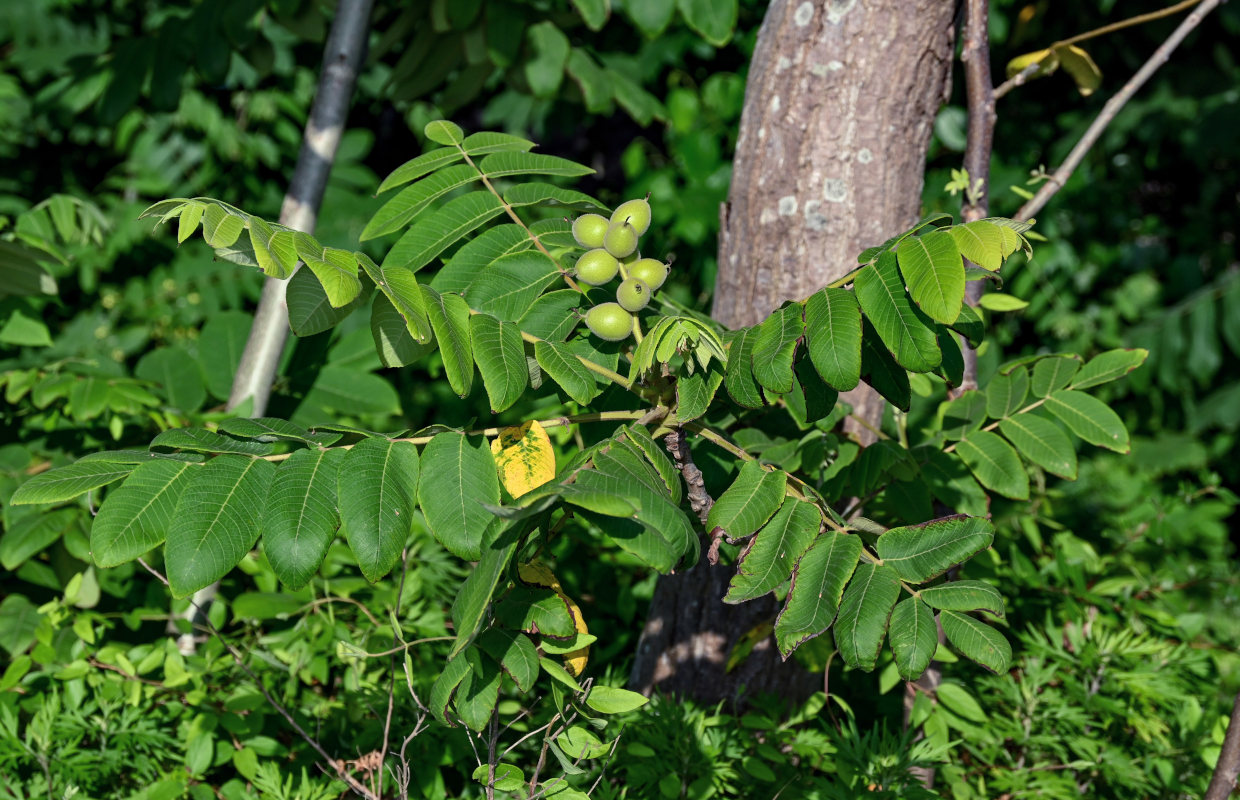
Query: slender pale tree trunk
251	389
838	111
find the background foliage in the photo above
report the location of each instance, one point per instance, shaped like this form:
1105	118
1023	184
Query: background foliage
1123	618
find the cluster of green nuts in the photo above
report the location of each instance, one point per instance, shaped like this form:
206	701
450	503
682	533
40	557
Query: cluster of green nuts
612	251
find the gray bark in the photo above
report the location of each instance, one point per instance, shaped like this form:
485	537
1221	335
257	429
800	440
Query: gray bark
839	106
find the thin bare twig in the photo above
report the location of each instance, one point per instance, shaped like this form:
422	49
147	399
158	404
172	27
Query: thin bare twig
284	712
1112	108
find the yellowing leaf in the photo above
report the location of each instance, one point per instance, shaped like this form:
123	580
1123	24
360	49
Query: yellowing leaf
744	646
1077	63
538	574
524	457
1046	60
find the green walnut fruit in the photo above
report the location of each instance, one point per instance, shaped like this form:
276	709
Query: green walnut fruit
589	230
609	321
650	271
633	294
597	267
636	212
621	240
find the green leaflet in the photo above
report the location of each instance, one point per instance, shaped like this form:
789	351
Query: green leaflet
984	243
457	478
882	372
390	331
995	464
483	142
1053	373
964	415
309	310
655	500
1005	395
217	520
970	325
932	268
443	132
715	20
479	690
449	318
964	596
1108	366
775	346
424	164
977	641
552	316
951	483
921	552
749	502
66	483
905	331
499	165
205	441
471	261
274	250
500	356
301	520
768	560
833	337
376	488
1042	442
818	582
442	228
658	458
412	200
694	394
536	610
864	611
566	370
269	428
914	637
515	654
336	269
400	287
136	516
475	593
445	687
739	374
511	284
546	194
1089	418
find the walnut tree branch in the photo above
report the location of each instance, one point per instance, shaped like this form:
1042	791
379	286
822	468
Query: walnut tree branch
1112	108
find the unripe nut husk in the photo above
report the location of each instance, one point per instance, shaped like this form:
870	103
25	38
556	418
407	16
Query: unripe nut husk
597	267
633	294
589	230
609	321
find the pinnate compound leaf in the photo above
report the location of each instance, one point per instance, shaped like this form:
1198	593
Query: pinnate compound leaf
1108	366
66	483
964	596
376	487
768	561
995	464
457	478
1042	442
905	331
914	637
864	612
921	552
1089	418
567	370
217	520
301	520
935	274
776	346
833	337
977	641
817	585
136	517
500	356
449	318
749	502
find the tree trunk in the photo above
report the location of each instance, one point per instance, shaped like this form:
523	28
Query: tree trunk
838	111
